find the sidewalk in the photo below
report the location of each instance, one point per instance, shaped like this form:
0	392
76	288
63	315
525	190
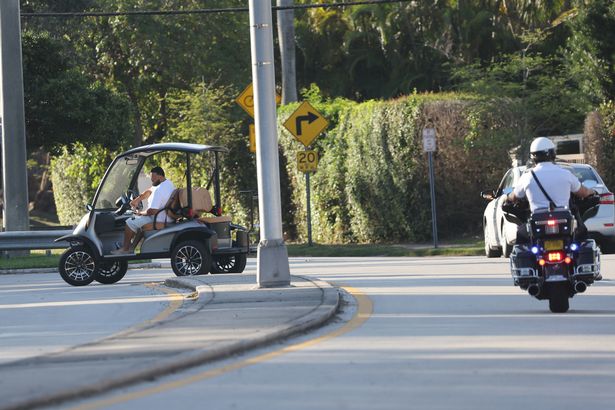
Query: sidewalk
228	315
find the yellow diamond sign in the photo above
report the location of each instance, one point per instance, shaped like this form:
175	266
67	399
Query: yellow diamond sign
306	123
246	99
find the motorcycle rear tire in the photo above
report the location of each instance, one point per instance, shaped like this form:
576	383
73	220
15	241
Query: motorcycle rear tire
558	298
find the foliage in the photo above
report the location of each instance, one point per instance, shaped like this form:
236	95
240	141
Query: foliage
537	88
599	141
64	106
591	49
76	173
372	184
203	115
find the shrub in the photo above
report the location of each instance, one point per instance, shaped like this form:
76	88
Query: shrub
75	174
372	181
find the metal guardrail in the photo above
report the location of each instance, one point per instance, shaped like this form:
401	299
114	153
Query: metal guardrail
26	240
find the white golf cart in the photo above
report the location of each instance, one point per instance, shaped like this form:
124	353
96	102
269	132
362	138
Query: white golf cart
198	240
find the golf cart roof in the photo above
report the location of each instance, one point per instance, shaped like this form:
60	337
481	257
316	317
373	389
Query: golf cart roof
174	146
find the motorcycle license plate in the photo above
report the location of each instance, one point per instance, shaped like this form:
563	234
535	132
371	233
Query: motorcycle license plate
554	245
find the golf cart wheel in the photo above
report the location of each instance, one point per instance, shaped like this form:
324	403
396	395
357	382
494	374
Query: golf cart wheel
229	263
78	266
111	272
558	298
190	258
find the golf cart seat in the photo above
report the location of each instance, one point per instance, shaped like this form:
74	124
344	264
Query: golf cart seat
201	203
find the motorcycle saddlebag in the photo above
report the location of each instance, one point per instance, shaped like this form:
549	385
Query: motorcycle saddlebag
587	255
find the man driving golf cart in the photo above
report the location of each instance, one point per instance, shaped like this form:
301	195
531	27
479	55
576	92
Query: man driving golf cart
195	243
160	192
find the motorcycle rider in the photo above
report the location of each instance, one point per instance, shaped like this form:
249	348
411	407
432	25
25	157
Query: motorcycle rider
556	181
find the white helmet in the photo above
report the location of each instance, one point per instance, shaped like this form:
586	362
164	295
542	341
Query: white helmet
542	149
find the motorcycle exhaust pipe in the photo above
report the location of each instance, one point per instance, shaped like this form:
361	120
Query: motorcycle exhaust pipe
533	289
580	287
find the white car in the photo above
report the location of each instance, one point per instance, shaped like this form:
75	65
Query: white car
500	234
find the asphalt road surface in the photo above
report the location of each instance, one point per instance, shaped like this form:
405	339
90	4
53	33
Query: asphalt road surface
414	333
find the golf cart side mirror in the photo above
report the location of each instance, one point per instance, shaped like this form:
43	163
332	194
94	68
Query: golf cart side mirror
489	195
89	207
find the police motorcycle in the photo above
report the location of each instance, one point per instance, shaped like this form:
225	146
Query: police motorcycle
557	263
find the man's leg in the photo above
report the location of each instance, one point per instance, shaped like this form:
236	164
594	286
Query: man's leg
128	235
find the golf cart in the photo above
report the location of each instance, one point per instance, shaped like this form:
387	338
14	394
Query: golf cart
198	239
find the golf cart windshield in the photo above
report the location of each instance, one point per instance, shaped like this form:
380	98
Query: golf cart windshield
117	181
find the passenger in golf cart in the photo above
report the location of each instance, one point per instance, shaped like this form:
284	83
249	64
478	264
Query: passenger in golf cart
196	243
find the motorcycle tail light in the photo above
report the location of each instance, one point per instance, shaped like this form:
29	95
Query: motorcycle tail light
541	262
551	222
555	256
568	260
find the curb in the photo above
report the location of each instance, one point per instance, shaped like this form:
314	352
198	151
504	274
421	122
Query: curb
329	305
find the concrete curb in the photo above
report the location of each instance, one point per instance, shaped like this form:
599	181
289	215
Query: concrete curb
317	317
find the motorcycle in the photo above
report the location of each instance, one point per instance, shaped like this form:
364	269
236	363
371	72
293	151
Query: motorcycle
558	262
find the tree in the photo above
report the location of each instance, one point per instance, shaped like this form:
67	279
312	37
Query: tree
590	53
62	104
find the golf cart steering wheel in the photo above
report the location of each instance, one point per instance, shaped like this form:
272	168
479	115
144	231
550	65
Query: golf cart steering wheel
123	204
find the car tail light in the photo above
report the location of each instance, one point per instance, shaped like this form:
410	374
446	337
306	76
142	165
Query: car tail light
607	199
555	256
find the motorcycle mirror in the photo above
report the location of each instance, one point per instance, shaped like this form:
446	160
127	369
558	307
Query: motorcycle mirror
488	195
89	207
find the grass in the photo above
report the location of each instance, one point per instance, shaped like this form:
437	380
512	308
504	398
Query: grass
39	259
457	249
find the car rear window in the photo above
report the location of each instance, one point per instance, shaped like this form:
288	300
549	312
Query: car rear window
584	174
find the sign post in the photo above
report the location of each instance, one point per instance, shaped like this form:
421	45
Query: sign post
307	161
429	146
305	124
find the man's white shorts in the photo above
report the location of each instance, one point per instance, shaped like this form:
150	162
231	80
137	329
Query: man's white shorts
137	222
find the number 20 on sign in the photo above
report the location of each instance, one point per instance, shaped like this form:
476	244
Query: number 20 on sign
307	161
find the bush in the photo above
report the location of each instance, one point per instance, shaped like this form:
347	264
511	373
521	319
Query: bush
75	174
372	181
599	142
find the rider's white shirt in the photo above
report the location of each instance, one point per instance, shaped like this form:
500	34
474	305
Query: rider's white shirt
558	183
160	196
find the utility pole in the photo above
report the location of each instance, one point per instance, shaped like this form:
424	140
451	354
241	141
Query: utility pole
14	171
272	262
286	38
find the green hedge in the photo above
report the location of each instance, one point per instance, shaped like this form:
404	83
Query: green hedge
372	181
599	142
75	174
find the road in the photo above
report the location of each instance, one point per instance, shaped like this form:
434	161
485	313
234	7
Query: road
433	333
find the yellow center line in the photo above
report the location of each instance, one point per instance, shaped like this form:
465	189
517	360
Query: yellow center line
363	313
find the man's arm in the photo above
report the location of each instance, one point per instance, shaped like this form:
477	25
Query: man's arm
584	192
143	196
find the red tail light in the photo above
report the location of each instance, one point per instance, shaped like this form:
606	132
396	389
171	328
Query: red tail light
607	199
551	222
555	256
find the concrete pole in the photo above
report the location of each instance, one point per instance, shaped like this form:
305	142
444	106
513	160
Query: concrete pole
14	171
272	263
